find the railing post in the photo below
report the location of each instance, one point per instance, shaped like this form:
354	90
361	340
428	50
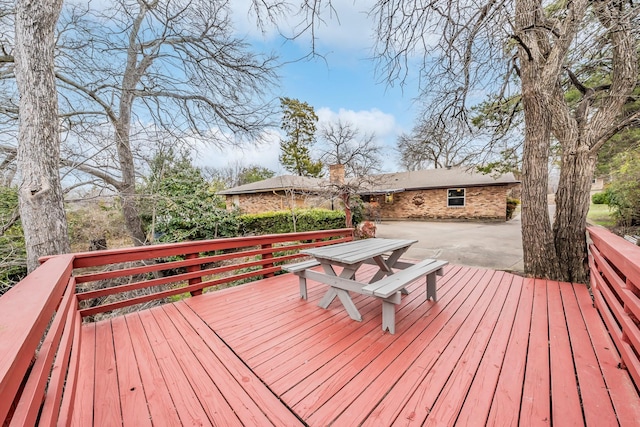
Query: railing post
191	269
267	256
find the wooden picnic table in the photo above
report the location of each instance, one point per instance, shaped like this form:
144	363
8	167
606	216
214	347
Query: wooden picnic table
351	255
385	253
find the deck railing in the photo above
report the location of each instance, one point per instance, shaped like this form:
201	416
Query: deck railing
615	283
40	317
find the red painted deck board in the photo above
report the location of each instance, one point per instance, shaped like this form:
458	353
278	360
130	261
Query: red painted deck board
593	388
477	403
496	349
132	398
180	388
160	405
536	405
106	401
492	332
347	383
233	372
427	375
82	414
505	407
618	383
207	394
565	401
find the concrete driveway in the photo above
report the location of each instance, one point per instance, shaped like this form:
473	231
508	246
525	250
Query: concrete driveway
492	245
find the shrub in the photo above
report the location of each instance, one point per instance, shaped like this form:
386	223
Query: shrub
90	221
291	221
511	207
366	230
357	210
600	198
624	189
624	200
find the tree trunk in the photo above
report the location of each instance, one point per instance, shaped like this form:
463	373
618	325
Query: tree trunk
572	206
40	193
122	125
127	190
539	251
348	216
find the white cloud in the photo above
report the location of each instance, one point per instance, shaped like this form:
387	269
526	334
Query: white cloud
266	154
368	121
263	154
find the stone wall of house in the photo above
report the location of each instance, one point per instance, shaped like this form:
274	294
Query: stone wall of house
265	202
483	203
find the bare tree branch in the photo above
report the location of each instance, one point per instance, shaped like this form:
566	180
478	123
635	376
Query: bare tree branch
344	144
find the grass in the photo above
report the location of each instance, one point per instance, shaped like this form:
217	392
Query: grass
601	215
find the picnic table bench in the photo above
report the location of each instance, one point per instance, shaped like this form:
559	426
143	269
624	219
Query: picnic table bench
386	284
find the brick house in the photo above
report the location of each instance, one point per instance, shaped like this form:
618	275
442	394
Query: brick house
277	194
434	194
437	194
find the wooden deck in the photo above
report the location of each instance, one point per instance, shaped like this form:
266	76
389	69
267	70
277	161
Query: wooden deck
496	349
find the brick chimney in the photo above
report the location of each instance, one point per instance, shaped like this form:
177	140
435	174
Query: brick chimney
336	174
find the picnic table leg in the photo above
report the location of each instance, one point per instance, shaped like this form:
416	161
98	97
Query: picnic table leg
386	267
303	286
328	298
346	273
389	313
348	304
431	286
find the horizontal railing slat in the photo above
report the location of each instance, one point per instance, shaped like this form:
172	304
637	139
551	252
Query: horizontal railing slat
116	256
53	398
194	274
630	300
29	405
171	292
624	255
69	395
626	351
202	260
179	277
25	312
615	276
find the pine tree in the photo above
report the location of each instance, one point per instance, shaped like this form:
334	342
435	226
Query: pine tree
299	122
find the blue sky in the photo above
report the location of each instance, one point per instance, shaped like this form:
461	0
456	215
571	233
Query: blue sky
340	85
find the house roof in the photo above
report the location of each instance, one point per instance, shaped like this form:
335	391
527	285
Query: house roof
278	183
386	183
433	178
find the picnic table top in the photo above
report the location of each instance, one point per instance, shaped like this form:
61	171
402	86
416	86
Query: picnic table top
358	250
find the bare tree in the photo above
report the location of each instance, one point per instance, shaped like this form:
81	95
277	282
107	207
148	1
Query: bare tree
344	144
542	50
235	174
470	55
40	193
7	165
172	63
437	144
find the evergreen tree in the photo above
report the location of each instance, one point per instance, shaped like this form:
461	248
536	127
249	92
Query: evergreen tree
179	204
299	122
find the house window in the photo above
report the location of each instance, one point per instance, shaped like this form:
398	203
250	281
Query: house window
388	198
455	197
236	200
